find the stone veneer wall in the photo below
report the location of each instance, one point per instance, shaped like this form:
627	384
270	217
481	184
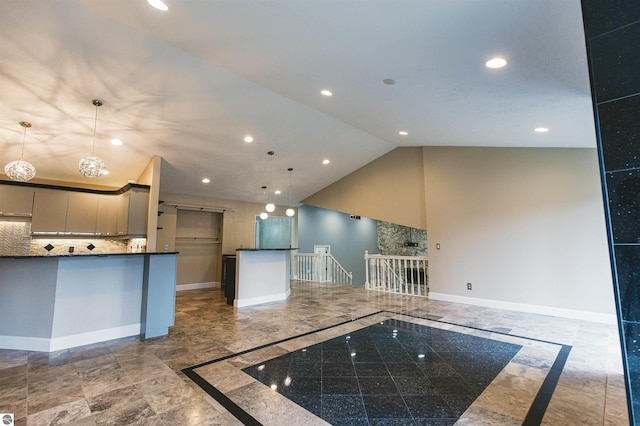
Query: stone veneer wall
14	238
391	239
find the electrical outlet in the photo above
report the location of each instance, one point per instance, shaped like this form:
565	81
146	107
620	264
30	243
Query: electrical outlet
469	286
437	246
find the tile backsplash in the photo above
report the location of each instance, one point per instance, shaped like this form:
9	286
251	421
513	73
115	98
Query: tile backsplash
77	246
15	240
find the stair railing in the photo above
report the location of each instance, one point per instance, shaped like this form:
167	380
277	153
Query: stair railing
321	267
397	274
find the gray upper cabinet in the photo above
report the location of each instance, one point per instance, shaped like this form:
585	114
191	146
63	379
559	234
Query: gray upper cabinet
107	220
82	212
138	211
16	201
49	211
60	211
132	215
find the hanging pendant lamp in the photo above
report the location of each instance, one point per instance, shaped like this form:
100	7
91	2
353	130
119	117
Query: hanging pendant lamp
20	170
270	207
93	166
264	215
290	212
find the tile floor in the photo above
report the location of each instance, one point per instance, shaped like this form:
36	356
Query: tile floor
128	381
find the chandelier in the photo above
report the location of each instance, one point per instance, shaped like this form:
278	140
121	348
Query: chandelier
21	170
93	166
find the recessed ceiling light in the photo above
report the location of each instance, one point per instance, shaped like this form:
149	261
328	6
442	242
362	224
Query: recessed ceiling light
206	180
158	4
116	142
326	92
277	192
248	139
325	161
403	133
496	63
541	129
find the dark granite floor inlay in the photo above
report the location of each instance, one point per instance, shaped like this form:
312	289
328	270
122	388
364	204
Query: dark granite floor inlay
390	373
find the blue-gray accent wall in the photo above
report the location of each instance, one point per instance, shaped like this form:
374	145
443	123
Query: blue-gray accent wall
613	45
348	238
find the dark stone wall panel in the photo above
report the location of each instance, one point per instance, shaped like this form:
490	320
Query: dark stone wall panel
620	133
616	14
615	61
628	268
632	353
624	205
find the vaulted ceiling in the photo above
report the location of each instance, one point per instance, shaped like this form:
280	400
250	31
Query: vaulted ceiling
190	83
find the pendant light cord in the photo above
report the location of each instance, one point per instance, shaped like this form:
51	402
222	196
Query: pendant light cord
24	138
25	125
95	127
97	103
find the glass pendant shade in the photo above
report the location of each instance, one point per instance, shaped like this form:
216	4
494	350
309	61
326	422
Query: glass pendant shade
270	207
290	212
91	167
20	170
263	215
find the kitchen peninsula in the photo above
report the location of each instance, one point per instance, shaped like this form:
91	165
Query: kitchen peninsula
262	276
54	302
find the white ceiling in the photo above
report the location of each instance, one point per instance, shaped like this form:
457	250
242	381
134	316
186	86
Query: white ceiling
190	83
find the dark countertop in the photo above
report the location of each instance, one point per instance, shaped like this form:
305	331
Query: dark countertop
266	249
49	256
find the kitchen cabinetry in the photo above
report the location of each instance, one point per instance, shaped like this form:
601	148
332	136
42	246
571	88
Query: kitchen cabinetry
16	201
133	211
82	212
49	211
107	220
71	212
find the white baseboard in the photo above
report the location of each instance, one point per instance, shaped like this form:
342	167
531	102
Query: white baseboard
523	307
196	286
43	344
278	297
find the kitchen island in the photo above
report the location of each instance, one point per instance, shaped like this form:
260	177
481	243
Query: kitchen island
262	276
49	303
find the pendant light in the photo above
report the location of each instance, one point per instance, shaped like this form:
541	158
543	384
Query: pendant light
93	166
264	215
270	207
290	212
21	170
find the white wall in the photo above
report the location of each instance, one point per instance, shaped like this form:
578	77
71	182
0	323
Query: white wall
525	226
